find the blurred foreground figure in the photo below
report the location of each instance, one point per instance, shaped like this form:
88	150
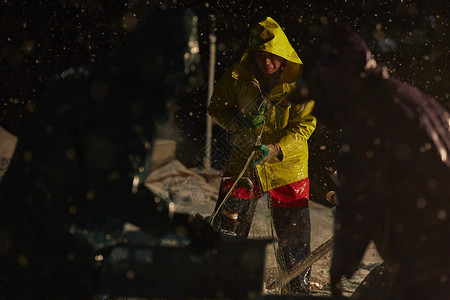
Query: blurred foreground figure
394	172
79	165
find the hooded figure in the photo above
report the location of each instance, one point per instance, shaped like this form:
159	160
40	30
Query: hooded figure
394	171
249	101
81	161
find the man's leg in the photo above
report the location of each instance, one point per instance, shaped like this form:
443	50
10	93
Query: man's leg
293	228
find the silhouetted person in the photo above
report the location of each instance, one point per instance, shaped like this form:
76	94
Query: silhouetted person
80	162
394	171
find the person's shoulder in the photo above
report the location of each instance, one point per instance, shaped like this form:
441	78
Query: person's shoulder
228	75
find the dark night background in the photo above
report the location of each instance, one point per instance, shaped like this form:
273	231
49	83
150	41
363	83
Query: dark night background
40	39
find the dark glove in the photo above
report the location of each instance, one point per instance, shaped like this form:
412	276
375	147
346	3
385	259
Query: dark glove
268	152
251	120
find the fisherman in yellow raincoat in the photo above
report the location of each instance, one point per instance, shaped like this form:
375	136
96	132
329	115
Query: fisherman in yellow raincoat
250	101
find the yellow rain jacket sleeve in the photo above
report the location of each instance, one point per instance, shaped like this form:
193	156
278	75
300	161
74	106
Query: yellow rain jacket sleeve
290	126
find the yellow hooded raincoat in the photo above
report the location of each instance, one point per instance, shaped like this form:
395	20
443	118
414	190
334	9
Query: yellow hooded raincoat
290	126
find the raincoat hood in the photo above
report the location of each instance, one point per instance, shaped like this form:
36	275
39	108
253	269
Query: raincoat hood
268	36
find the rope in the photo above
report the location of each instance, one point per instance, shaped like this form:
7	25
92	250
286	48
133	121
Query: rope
257	143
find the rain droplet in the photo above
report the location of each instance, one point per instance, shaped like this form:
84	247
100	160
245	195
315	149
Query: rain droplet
442	214
370	154
421	203
22	260
130	274
346	148
99	257
423	238
73	210
27	155
432	184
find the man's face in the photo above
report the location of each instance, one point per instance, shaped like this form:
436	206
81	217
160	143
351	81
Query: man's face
268	63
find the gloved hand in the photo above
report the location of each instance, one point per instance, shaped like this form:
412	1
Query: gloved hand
251	120
268	152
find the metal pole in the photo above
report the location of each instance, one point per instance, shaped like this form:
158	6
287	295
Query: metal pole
212	64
